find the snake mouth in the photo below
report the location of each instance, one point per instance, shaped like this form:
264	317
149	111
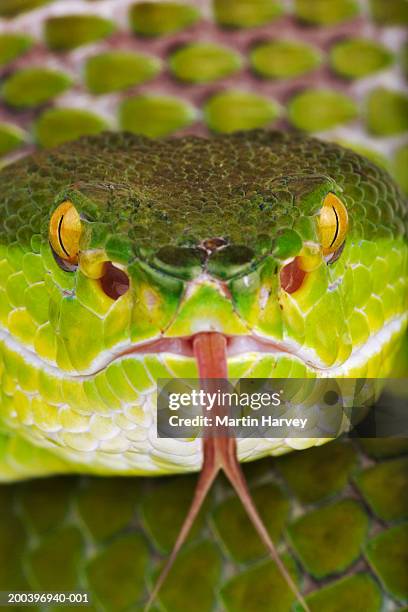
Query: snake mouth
236	347
240	345
184	346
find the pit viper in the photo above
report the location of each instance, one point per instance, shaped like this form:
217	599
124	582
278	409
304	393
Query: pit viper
125	260
116	250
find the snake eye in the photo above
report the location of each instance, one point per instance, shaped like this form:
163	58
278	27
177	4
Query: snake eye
64	235
333	224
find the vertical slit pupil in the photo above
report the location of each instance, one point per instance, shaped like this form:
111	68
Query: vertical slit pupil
337	227
60	237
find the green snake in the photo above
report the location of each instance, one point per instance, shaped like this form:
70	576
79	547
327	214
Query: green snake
116	250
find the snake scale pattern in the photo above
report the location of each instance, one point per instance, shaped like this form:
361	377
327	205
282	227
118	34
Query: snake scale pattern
80	364
191	74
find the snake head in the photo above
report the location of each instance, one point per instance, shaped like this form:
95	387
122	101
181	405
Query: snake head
263	265
117	251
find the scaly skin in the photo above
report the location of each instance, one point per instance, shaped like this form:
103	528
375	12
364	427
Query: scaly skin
73	398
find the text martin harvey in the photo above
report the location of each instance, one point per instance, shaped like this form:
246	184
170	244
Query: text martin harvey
228	421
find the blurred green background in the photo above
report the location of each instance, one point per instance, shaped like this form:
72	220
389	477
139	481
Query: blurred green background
335	68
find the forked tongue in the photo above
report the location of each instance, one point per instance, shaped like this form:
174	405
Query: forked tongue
219	453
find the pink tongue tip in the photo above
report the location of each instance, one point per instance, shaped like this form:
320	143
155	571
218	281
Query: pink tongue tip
210	350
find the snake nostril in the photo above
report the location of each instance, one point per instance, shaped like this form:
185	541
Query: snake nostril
114	281
291	277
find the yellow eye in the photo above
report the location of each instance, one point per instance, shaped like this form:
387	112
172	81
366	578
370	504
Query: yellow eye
333	224
65	232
